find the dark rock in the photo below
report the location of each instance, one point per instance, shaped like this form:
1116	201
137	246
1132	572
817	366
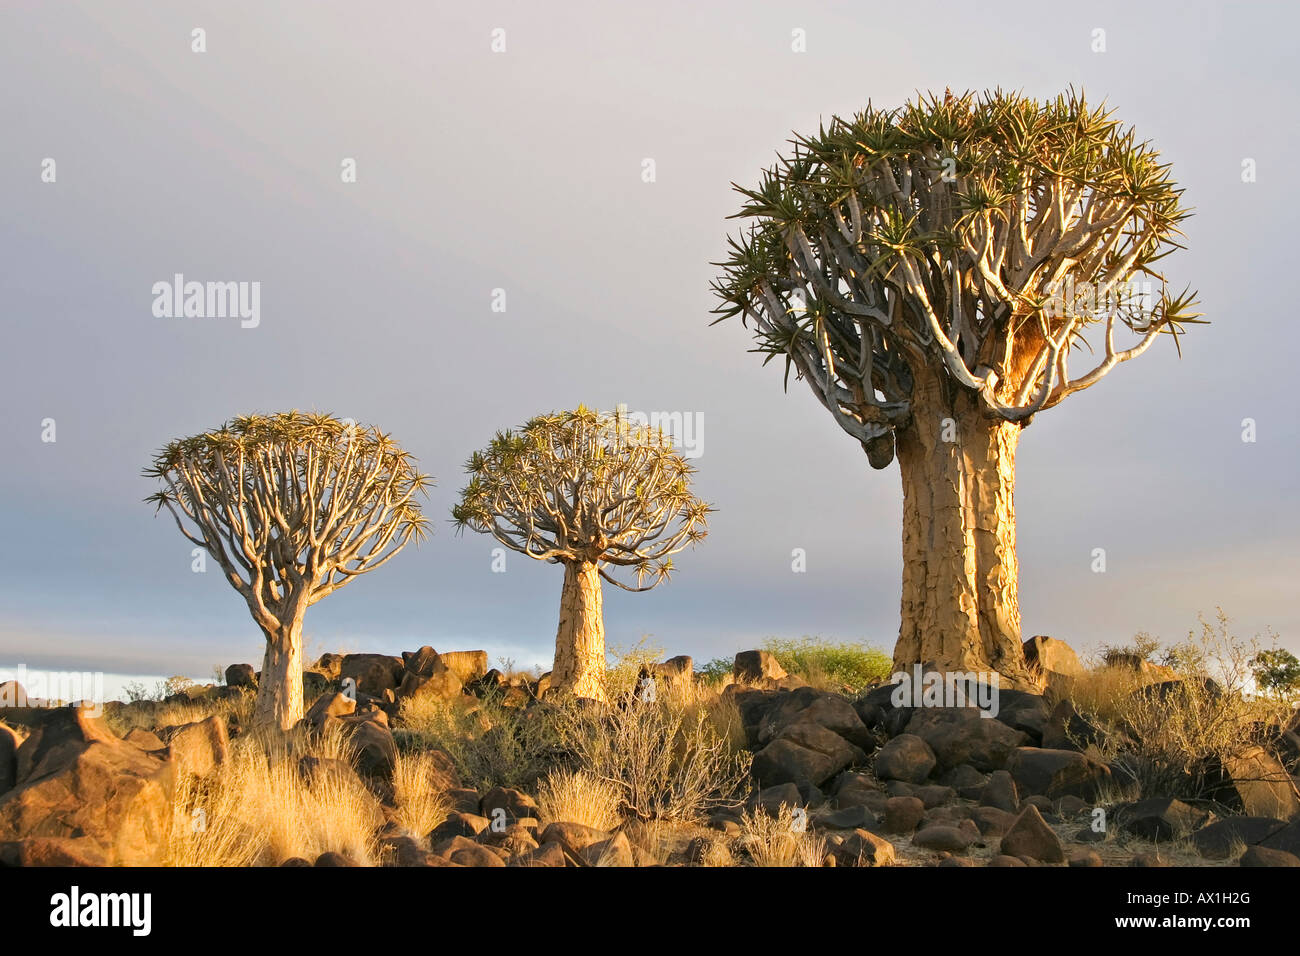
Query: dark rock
1160	818
373	673
1263	856
1031	836
240	675
1218	840
1055	773
903	814
906	757
959	735
752	667
1001	792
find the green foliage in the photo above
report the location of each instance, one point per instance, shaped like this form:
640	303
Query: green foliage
715	670
1276	671
843	666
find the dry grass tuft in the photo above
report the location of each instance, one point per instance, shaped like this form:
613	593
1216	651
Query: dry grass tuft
568	796
417	790
258	810
774	841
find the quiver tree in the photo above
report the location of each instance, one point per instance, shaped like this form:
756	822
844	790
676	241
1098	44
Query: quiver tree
930	271
291	507
601	496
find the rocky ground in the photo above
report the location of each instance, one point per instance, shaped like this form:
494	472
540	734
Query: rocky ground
856	780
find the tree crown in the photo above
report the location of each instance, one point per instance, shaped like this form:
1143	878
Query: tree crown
291	505
581	486
982	237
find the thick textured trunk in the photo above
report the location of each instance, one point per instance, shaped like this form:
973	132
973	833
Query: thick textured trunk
279	689
580	639
960	609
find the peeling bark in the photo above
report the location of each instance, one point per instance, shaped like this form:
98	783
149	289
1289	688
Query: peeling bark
580	638
279	689
960	608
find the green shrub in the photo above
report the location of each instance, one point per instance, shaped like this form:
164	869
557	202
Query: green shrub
839	666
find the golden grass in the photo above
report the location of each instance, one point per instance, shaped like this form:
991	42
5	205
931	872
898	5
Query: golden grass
567	796
774	840
421	802
257	810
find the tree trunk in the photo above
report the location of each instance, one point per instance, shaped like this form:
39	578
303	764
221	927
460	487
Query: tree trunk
960	608
580	639
279	689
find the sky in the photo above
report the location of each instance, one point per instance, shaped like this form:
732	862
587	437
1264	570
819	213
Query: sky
522	170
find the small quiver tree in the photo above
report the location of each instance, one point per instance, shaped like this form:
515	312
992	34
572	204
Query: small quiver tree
930	271
292	507
597	494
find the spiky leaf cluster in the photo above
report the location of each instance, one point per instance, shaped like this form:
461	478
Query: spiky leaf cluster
984	237
293	505
581	486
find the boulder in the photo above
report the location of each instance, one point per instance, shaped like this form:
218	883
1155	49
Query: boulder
241	675
331	665
771	799
676	672
959	735
903	814
1067	730
373	673
1026	712
860	848
1218	840
1255	783
421	662
906	757
877	710
804	753
1160	818
992	822
373	743
332	858
1055	773
808	705
1052	663
77	779
514	804
458	824
546	855
1287	838
946	838
850	818
753	667
1001	792
1263	856
328	706
442	684
1030	836
466	665
199	747
573	836
616	851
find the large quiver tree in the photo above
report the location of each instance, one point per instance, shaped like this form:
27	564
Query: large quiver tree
600	495
929	271
291	507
